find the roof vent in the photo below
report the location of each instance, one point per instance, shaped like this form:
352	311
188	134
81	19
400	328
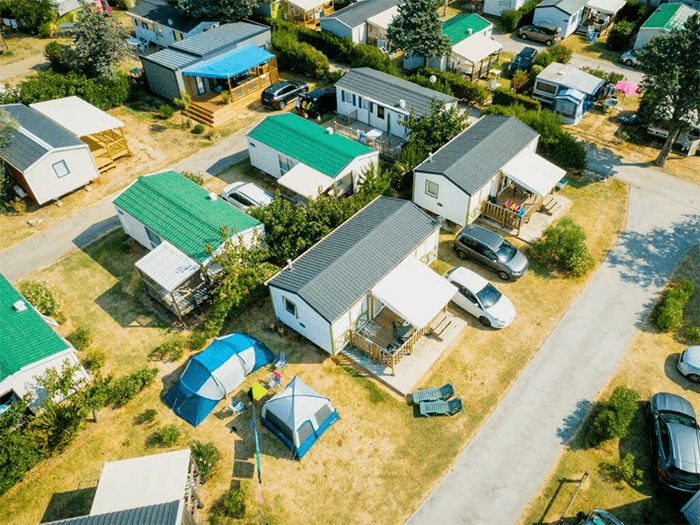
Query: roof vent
170	22
469	30
19	306
402	103
560	73
211	196
329	131
430	157
289	264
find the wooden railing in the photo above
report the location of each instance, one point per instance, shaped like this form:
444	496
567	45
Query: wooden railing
503	215
386	150
382	355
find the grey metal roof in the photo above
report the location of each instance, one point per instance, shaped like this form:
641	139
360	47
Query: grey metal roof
474	156
171	59
218	39
165	14
568	6
568	76
389	90
36	135
161	514
357	14
337	271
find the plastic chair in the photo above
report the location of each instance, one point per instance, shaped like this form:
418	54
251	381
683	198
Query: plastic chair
507	203
237	407
280	362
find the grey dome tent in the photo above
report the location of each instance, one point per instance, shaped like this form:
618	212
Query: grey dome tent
298	415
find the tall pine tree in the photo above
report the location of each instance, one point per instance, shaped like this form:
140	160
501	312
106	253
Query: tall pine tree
417	29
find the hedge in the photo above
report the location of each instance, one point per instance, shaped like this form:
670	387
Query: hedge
506	97
619	36
668	314
461	87
514	19
299	57
613	417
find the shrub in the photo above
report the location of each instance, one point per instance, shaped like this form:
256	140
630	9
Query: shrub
147	416
635	12
534	71
557	53
460	86
164	437
613	77
613	416
55	53
299	57
207	456
233	503
171	350
563	246
197	340
693	335
80	338
520	80
336	75
125	388
506	97
18	206
668	314
619	36
41	297
165	111
194	177
95	358
510	19
198	129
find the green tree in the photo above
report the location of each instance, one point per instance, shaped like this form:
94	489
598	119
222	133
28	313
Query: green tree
243	271
184	104
417	29
431	132
376	182
18	453
222	10
563	246
33	13
99	43
672	79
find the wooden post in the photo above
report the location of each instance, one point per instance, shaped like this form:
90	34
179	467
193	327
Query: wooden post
230	93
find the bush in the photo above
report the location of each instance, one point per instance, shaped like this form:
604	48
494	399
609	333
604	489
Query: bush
95	358
636	12
164	437
125	388
41	297
520	80
511	19
668	314
147	416
233	503
563	246
619	36
461	87
557	53
506	97
80	338
207	456
165	111
197	340
614	416
693	335
198	129
613	77
299	57
194	177
171	350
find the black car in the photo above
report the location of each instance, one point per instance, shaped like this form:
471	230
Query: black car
675	442
523	61
282	93
491	250
316	103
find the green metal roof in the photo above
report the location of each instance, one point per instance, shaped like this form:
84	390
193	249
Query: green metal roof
25	338
664	17
308	143
457	28
180	212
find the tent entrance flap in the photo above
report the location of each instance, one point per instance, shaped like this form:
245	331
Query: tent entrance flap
533	173
305	181
415	292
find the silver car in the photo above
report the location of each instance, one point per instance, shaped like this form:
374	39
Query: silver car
480	298
544	32
244	195
689	363
631	58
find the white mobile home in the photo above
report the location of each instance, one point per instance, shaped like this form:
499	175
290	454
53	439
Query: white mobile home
46	159
161	23
662	21
351	21
496	7
566	14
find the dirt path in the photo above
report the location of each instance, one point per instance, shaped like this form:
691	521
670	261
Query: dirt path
21	67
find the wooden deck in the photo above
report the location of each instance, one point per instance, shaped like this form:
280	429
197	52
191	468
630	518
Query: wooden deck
106	147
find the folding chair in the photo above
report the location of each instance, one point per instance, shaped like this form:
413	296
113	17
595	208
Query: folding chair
280	362
274	380
236	407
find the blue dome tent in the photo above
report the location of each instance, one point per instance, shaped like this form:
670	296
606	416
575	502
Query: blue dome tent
298	415
213	373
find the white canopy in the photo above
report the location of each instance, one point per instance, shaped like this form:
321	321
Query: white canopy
475	48
307	5
533	173
383	19
414	291
139	482
77	116
609	7
167	266
305	181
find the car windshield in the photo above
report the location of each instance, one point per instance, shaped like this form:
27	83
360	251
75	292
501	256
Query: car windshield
488	296
267	95
506	251
686	477
676	417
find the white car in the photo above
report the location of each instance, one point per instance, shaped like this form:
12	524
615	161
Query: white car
244	195
689	363
480	298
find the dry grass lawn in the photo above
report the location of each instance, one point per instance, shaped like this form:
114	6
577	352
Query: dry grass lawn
374	465
649	366
22	45
580	46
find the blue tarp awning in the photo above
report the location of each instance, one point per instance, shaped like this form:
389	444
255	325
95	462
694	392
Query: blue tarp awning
230	64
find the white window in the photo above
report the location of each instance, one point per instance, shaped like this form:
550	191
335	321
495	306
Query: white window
289	306
431	188
153	237
285	164
61	169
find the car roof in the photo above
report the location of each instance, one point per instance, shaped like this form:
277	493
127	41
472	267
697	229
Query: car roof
692	356
471	280
316	93
254	192
663	401
547	25
527	51
685	447
487	237
278	85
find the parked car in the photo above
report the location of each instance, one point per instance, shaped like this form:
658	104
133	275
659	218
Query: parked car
544	32
597	517
244	195
675	442
480	298
316	103
689	363
522	61
490	250
631	58
282	93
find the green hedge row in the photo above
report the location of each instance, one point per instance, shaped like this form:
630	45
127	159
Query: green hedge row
668	314
514	19
299	57
460	86
507	97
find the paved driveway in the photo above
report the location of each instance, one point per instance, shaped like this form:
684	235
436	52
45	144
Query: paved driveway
512	44
502	468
